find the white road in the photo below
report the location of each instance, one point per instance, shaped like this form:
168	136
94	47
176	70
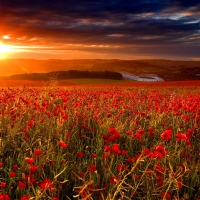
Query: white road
148	78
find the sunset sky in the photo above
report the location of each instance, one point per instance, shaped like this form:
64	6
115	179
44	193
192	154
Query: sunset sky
89	29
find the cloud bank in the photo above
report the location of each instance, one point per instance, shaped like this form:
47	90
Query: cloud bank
117	27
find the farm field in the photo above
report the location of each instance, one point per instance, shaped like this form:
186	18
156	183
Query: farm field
94	82
99	141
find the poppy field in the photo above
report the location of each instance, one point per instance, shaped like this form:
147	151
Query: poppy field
100	143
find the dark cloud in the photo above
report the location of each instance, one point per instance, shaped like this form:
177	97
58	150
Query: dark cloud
184	3
116	22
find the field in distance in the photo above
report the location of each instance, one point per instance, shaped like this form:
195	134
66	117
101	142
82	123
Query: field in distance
166	69
93	82
67	82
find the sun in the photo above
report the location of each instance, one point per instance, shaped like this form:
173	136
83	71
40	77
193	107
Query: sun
5	50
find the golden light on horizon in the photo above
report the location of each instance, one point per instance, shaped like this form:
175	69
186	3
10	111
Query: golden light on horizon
5	50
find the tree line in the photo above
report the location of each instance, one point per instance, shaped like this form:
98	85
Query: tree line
71	74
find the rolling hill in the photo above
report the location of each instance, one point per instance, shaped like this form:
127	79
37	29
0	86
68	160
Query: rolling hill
166	69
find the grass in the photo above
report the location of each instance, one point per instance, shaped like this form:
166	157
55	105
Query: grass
102	143
67	82
95	81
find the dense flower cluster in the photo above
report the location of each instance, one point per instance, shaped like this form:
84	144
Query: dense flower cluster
99	143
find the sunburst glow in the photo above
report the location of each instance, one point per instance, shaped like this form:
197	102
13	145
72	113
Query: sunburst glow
5	50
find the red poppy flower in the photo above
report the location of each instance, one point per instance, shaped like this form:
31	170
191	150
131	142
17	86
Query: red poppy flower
63	144
105	137
107	149
2	185
12	174
94	156
160	183
29	160
21	185
146	151
137	176
179	183
130	159
82	174
14	118
37	152
137	157
112	130
130	133
161	149
166	135
188	143
121	167
108	115
30	180
30	123
113	137
68	133
148	172
124	153
157	154
26	138
137	135
33	169
83	193
165	195
15	167
105	156
63	162
151	154
46	184
25	130
150	129
115	149
92	168
80	154
51	162
26	197
1	164
113	180
180	136
4	197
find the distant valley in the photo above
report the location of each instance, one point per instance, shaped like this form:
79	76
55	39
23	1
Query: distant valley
166	69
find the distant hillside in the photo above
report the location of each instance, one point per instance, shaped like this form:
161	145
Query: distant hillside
63	75
166	69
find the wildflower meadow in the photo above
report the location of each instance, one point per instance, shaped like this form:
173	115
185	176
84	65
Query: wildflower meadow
100	143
